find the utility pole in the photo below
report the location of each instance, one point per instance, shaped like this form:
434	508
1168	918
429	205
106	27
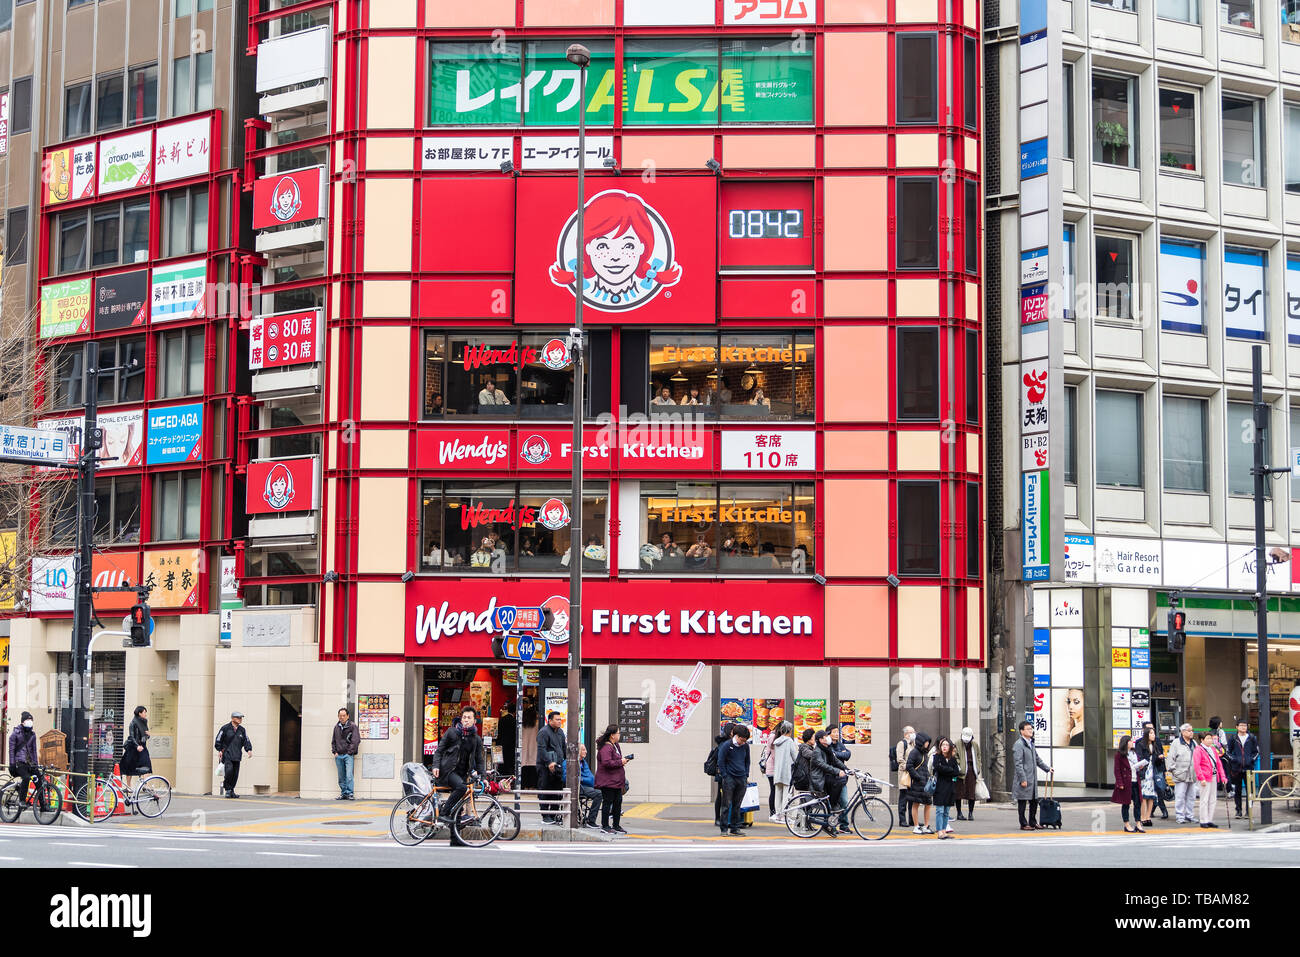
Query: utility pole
579	56
1261	412
83	610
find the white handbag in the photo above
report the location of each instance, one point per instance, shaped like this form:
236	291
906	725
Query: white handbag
981	789
750	802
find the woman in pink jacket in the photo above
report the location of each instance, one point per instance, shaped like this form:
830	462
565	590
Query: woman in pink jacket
1209	772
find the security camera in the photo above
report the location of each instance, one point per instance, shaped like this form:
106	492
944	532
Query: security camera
893	581
407	576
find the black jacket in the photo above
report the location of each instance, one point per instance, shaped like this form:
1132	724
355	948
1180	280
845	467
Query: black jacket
460	751
1155	755
346	738
139	732
232	742
1242	758
506	739
551	746
841	751
916	764
822	767
945	788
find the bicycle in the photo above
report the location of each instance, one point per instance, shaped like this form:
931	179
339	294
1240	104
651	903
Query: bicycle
44	796
151	797
476	820
871	818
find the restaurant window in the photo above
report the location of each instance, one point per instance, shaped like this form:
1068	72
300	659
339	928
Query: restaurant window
142	94
971	82
918	528
484	528
766	375
1184	11
726	528
1071	470
1239	435
21	106
1243	141
916	79
185	221
126	354
1115	268
117	510
1239	14
973	367
917	218
180	363
77	111
177	506
16	236
1115	120
1291	120
972	530
108	101
1119	457
918	373
1178	130
1184	444
972	227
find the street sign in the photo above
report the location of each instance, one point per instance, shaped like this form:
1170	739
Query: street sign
526	648
40	446
513	618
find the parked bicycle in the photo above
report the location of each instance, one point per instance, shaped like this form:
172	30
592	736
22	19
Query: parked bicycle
807	815
43	797
476	820
150	798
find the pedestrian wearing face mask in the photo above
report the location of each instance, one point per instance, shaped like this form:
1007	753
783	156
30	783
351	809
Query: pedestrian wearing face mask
22	753
901	750
968	759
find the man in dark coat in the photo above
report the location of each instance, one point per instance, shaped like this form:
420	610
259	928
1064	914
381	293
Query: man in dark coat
460	753
344	743
507	738
833	781
232	741
1243	749
733	778
552	748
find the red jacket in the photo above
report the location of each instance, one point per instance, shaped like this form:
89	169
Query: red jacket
609	767
1123	792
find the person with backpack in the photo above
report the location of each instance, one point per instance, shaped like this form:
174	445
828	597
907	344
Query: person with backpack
733	778
918	770
897	759
784	752
711	769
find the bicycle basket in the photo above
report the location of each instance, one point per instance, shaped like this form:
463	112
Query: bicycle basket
871	787
416	780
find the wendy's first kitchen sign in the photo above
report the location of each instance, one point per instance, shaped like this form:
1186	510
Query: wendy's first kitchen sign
551	450
625	621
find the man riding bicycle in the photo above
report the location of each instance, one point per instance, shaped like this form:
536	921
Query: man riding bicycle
22	753
460	754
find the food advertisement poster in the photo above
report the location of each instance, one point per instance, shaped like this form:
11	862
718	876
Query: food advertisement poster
768	713
809	713
372	716
430	720
480	696
510	676
738	710
125	162
855	721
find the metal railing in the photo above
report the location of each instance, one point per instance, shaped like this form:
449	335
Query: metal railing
531	806
1270	787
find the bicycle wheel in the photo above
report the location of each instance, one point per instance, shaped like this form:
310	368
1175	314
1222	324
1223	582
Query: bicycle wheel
478	821
799	814
105	802
153	796
411	821
10	804
509	821
48	805
872	820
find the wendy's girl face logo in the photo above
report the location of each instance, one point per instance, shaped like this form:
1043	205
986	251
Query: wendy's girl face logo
278	491
286	200
535	450
627	253
554	515
555	355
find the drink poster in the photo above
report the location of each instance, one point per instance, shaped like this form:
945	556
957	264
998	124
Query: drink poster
738	710
809	713
855	721
681	701
372	716
431	735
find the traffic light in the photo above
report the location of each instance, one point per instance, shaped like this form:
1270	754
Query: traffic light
141	624
1177	629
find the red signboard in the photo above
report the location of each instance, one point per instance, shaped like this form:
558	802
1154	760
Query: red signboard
294	197
767	225
530	449
649	253
451	620
461	449
1033	308
290	338
285	485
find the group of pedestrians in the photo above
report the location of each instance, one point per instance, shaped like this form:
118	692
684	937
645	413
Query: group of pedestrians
939	775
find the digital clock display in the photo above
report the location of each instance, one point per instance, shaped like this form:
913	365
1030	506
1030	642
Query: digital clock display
765	224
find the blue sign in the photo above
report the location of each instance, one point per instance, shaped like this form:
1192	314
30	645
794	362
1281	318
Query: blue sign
1042	681
1141	658
1033	16
1033	158
175	435
513	618
1042	641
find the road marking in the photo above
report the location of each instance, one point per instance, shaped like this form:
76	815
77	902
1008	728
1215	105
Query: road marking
71	844
283	854
96	864
187	850
644	811
10	858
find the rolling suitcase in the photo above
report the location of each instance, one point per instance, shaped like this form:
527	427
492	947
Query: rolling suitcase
1049	809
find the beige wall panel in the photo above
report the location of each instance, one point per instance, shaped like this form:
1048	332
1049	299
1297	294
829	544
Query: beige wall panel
388	225
857	540
769	152
386	299
381	528
565	13
916	149
855	62
666	152
385	371
382	606
385	449
110	37
391	69
917	298
481	13
387	152
919	621
918	451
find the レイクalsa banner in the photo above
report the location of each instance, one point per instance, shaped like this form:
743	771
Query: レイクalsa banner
648	252
451	620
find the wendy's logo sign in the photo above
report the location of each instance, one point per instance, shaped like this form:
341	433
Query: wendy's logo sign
627	253
555	355
555	514
278	491
286	200
535	450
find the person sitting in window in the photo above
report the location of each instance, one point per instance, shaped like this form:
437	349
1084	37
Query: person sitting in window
650	554
435	556
436	407
769	553
491	395
665	397
730	547
798	559
482	556
692	397
759	399
699	553
668	546
725	395
526	547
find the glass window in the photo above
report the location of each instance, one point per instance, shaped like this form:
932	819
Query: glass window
135	232
972	227
1178	135
481	376
1239	434
546	377
971	82
1291	28
142	94
1115	267
1068	272
435	361
917	216
1119	457
77	120
1239	14
972	530
653	68
1187	11
6	14
684	371
918	373
1245	293
72	241
1184	444
185	221
918	528
734	376
553	99
182	94
106	226
16	236
973	367
180	363
1295	443
768	80
1114	134
203	81
1182	286
1291	117
68	378
474	83
1243	136
127	384
20	107
1067	121
185	7
757	371
117	510
916	80
108	101
1128	5
177	506
59	512
1071	432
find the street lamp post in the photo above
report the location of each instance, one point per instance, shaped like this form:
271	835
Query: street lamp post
580	57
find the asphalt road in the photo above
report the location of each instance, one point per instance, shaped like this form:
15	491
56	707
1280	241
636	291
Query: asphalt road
101	848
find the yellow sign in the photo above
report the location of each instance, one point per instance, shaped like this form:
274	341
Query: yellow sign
58	176
8	573
173	577
1119	657
4	651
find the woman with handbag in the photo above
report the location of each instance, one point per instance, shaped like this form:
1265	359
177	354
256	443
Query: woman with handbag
970	786
1151	767
918	794
611	778
1126	792
946	770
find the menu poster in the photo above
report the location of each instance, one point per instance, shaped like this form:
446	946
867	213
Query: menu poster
633	721
431	735
372	716
768	713
855	721
738	710
510	677
480	696
808	713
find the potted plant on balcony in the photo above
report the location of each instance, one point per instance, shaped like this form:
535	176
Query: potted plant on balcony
1114	138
